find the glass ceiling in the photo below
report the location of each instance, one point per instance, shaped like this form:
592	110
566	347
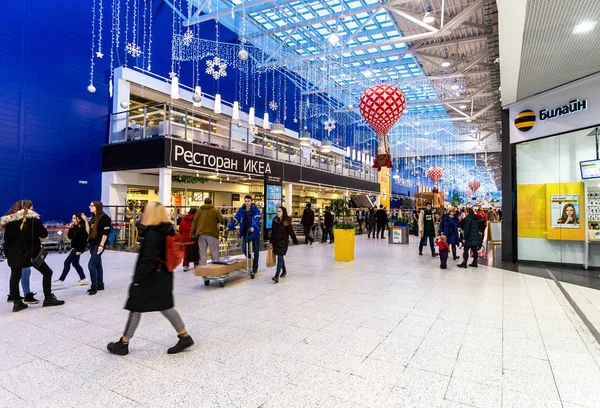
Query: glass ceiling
304	27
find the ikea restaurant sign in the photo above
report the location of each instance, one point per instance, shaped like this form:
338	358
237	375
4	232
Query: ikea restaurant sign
202	158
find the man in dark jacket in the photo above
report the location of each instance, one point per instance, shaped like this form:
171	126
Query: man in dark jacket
248	218
328	226
382	220
472	238
307	221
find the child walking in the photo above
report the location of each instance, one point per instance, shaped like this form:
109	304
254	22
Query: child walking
444	249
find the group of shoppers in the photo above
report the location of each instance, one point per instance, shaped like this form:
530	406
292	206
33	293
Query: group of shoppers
23	235
464	228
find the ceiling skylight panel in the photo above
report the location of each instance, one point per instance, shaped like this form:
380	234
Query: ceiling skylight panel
385	48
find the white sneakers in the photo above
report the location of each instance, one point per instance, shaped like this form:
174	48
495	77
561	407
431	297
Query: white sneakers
81	282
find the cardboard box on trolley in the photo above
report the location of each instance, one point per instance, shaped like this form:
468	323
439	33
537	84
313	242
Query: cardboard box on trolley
214	270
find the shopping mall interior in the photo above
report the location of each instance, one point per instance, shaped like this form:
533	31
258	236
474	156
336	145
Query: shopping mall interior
300	203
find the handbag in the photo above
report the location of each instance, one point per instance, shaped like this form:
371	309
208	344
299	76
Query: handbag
40	259
270	257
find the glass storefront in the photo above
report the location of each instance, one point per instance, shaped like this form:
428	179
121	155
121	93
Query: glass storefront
557	209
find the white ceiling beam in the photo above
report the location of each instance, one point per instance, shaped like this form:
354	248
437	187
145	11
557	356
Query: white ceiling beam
364	24
412	18
484	110
456	110
463	15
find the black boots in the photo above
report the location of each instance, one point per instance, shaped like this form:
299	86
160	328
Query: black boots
101	286
474	265
183	343
462	265
18	305
93	290
51	300
283	273
119	348
275	279
30	299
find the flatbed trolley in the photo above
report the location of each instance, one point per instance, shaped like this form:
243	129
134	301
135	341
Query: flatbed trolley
231	275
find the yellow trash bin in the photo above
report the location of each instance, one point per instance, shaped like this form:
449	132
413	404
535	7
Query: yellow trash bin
343	245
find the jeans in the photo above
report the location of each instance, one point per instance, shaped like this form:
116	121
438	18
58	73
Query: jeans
327	233
280	265
208	241
95	265
431	236
15	276
25	279
255	248
72	259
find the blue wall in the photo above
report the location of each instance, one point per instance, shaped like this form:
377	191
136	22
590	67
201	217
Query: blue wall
53	129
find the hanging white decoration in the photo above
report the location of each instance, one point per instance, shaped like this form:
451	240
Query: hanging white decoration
266	121
197	97
243	55
218	107
235	115
174	87
133	49
188	37
273	105
91	88
329	125
251	120
216	67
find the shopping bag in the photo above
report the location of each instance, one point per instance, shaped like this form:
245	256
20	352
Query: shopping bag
270	257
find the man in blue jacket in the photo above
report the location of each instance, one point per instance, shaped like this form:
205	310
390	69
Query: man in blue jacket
248	218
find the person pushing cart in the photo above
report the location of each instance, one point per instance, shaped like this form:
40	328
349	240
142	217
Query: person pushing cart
248	219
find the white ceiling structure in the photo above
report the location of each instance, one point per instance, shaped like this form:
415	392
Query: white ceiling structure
540	47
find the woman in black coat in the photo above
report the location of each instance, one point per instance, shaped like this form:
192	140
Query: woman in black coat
23	232
281	231
152	287
471	238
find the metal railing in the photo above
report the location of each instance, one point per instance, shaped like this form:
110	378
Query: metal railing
174	121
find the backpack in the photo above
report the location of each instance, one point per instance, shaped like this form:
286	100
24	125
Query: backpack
175	246
112	236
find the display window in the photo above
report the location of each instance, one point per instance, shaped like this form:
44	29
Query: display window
556	206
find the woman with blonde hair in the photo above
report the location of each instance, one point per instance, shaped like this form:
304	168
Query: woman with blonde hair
152	287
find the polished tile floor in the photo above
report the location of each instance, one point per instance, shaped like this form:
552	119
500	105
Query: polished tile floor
388	330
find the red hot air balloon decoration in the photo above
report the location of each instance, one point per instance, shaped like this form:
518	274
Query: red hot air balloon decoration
474	185
381	106
435	173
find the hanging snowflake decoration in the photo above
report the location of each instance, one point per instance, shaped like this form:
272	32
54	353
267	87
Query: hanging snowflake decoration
329	125
188	37
216	68
133	49
273	105
295	120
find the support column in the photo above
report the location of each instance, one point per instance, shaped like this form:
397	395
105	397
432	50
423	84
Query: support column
288	197
114	193
164	186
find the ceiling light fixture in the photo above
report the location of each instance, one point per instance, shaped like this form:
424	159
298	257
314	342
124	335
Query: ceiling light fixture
368	72
455	87
584	27
445	62
428	18
334	38
469	120
463	106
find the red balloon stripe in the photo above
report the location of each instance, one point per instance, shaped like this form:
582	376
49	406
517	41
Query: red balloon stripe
381	106
435	173
474	185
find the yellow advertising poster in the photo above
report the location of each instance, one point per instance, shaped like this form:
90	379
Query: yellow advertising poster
564	211
385	187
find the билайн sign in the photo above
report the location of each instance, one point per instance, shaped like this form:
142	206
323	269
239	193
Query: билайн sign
572	107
